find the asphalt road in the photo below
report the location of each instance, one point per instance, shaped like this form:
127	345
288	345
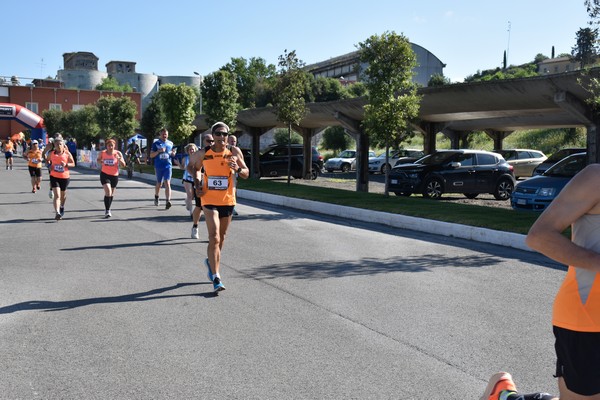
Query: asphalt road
315	307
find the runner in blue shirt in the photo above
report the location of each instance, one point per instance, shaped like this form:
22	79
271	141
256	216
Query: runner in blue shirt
162	152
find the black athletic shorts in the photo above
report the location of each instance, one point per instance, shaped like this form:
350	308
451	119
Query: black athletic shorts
578	360
61	183
112	179
224	211
35	172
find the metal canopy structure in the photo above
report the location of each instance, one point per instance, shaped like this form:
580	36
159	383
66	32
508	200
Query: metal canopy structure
496	107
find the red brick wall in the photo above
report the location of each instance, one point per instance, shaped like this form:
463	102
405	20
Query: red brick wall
44	96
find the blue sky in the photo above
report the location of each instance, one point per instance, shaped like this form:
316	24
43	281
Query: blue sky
182	36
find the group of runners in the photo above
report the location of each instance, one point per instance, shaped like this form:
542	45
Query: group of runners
210	174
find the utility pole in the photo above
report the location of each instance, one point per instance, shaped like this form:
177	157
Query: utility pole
508	45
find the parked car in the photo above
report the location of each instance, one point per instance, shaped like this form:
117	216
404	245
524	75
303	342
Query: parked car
343	162
470	172
556	157
402	156
274	161
524	161
536	193
353	165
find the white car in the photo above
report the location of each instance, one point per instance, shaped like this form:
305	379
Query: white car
402	156
343	162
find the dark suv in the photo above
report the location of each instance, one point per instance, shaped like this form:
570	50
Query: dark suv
470	172
274	161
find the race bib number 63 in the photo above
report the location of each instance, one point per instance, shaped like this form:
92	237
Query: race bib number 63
218	183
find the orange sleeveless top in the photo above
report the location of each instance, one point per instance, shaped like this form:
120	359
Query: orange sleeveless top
34	158
56	168
577	304
110	164
219	188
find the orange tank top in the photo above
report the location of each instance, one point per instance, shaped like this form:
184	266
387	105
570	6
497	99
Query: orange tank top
110	164
577	304
56	168
219	188
34	158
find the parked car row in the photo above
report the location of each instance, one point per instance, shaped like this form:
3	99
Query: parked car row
274	161
535	194
470	172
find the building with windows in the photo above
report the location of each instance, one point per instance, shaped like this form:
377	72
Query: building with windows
346	68
557	65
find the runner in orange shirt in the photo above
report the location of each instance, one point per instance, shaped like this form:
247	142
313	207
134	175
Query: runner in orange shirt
61	160
9	149
217	193
576	311
109	160
34	158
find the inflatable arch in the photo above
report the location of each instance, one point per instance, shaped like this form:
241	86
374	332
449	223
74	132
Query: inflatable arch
25	117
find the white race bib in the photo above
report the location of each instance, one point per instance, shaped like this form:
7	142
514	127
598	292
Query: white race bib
164	156
218	183
109	162
58	167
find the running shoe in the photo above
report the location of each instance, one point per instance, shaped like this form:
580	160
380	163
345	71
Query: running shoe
62	212
38	187
32	190
51	194
500	382
209	274
58	216
107	214
168	205
218	285
156	201
195	234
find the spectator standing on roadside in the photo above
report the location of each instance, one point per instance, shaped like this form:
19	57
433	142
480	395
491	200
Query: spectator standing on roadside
217	192
576	311
232	142
109	160
162	152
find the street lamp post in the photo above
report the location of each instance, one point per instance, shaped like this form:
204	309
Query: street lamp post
195	73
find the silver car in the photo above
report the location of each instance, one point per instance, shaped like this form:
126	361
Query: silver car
524	161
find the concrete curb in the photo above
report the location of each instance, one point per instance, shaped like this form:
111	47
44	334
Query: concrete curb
484	235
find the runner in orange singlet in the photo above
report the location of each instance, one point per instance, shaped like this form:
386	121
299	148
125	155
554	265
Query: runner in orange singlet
217	193
34	163
109	160
576	313
61	160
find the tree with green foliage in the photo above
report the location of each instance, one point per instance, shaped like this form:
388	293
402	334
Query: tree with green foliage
54	121
335	138
249	75
220	95
112	85
439	80
177	107
83	124
281	136
290	89
586	48
116	116
392	101
152	118
358	89
326	89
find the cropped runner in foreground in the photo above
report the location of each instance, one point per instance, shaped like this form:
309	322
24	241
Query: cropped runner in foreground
576	312
217	193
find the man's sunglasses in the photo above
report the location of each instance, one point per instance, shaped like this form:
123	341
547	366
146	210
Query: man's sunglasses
220	133
209	141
